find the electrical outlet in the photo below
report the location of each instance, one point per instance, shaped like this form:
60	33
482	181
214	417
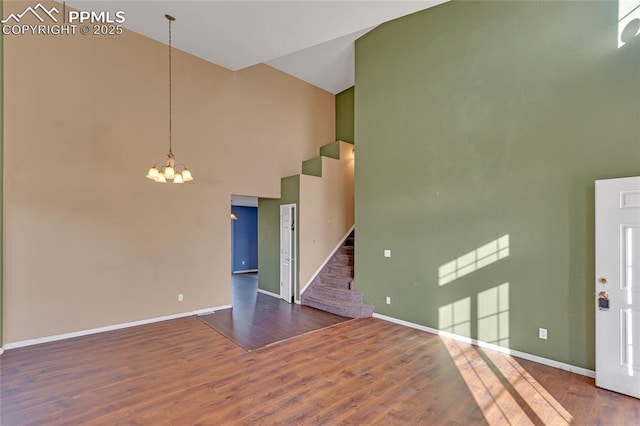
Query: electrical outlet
542	333
387	253
388	300
180	297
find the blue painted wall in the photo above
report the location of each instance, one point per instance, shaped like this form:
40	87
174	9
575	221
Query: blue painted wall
245	239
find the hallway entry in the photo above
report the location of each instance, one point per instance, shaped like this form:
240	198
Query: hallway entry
244	234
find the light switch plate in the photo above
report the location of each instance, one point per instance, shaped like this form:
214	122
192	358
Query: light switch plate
387	253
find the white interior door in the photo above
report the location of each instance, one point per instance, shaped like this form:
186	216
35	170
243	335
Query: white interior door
287	251
618	276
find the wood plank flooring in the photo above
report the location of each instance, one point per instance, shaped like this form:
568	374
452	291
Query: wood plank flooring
364	371
258	320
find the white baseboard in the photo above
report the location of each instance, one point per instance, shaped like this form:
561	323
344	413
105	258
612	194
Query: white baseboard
210	310
475	342
277	296
268	293
64	336
335	249
1	351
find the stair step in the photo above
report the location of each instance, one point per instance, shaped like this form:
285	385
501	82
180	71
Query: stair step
345	250
340	270
335	293
336	281
342	259
352	310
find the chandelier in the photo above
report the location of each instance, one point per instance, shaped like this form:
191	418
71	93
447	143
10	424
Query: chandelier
169	170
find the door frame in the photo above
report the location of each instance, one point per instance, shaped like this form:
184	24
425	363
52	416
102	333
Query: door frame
293	243
617	203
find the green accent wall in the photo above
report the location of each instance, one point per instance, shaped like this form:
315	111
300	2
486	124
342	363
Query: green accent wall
269	235
331	150
312	167
345	115
481	129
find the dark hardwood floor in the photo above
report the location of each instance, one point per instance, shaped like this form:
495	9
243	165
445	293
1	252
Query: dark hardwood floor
258	320
364	371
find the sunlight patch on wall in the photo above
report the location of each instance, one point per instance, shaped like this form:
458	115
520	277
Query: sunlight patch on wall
503	390
456	317
493	315
628	20
474	260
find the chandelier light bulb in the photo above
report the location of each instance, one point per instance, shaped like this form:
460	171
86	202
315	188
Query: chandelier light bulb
153	173
186	175
178	178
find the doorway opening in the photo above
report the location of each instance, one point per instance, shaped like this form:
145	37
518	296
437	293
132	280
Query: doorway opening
244	235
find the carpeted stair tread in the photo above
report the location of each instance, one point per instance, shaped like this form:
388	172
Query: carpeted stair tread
342	259
338	294
338	270
335	281
346	250
353	310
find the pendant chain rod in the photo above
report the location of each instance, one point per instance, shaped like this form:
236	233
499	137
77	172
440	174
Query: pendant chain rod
170	87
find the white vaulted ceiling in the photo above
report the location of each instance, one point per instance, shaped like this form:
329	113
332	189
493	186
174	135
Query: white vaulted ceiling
311	40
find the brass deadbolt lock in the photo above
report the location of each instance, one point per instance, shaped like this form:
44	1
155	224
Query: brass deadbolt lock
603	301
603	280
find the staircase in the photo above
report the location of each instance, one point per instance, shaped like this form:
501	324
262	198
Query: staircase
332	289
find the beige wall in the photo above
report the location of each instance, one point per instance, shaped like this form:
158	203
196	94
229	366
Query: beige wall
89	241
326	211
